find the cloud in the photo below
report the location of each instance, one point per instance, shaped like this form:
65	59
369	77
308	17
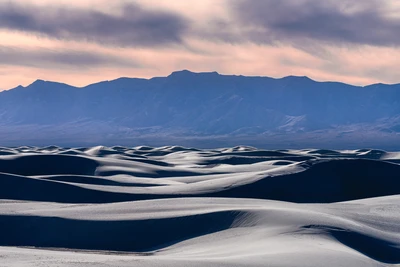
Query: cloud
81	42
330	21
50	58
132	26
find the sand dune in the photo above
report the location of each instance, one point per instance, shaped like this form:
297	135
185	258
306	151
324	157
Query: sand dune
173	206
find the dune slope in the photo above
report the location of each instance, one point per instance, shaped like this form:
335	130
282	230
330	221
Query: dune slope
173	206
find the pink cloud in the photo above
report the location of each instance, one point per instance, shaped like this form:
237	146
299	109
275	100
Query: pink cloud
198	51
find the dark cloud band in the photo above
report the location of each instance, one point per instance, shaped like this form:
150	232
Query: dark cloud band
335	21
46	58
134	26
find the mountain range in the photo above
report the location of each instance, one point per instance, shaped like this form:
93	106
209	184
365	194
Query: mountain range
203	109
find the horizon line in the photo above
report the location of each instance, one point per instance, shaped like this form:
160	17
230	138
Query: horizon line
202	72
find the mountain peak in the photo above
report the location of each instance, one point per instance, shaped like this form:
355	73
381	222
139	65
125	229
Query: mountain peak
40	84
38	81
181	72
294	77
188	73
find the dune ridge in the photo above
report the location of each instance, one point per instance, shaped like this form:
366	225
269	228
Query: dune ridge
176	206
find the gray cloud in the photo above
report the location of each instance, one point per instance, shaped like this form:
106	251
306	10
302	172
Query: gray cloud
47	58
334	21
135	26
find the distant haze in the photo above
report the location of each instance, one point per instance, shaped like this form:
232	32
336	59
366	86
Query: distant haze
81	42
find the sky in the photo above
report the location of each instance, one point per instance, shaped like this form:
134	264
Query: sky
86	41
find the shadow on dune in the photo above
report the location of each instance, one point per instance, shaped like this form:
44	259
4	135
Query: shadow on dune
244	160
255	153
48	165
123	236
92	180
325	182
321	181
24	188
154	174
148	161
373	247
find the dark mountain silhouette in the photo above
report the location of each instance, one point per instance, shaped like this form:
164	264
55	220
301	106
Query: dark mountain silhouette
201	105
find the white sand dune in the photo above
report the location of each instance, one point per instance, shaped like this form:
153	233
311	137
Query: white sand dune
173	206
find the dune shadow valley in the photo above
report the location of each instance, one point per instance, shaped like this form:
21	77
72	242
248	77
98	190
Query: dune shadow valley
177	206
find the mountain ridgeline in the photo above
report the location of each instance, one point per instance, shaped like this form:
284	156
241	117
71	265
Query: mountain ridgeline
201	105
